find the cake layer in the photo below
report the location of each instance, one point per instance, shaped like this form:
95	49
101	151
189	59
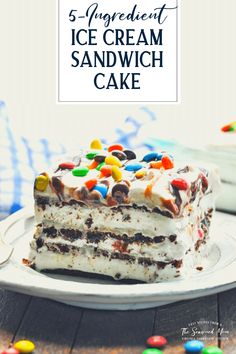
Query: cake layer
117	265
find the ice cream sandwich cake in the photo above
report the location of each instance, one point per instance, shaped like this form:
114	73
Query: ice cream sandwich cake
109	212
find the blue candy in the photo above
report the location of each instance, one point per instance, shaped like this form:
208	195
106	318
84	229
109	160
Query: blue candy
193	346
101	188
152	156
133	166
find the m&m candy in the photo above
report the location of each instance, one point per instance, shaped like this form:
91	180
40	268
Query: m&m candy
212	350
96	144
116	173
66	166
100	166
152	156
115	147
24	346
10	351
80	171
152	351
112	160
167	162
133	166
156	342
193	346
106	170
102	189
156	164
180	183
41	183
119	154
91	183
91	154
130	154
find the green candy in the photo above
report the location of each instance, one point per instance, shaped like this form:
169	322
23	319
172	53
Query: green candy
152	351
80	171
100	166
91	154
212	350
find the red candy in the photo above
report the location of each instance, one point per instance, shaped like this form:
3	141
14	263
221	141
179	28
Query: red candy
106	170
115	147
167	162
156	342
10	351
180	184
91	183
67	165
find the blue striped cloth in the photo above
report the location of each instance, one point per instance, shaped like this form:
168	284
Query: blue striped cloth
22	159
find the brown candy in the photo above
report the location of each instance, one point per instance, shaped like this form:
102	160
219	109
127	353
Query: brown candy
120	192
130	154
119	154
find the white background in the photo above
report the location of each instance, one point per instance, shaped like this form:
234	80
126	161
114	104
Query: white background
156	83
28	74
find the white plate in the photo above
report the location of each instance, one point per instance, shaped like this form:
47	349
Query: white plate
18	230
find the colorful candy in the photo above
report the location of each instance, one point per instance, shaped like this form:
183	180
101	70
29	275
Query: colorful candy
130	154
212	350
193	346
152	351
140	174
231	127
180	183
94	164
67	165
156	164
91	183
41	182
152	156
10	351
106	170
100	166
102	189
116	173
135	166
96	144
112	160
100	158
119	154
80	171
91	154
156	342
115	147
24	346
167	162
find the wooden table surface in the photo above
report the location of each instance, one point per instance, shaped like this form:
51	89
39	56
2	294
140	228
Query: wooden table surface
60	329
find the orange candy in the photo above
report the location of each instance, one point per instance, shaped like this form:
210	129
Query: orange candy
115	147
156	164
167	162
93	165
106	170
91	183
140	174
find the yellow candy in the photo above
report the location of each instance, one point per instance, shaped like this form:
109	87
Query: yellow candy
96	144
140	174
24	346
112	160
116	173
41	182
